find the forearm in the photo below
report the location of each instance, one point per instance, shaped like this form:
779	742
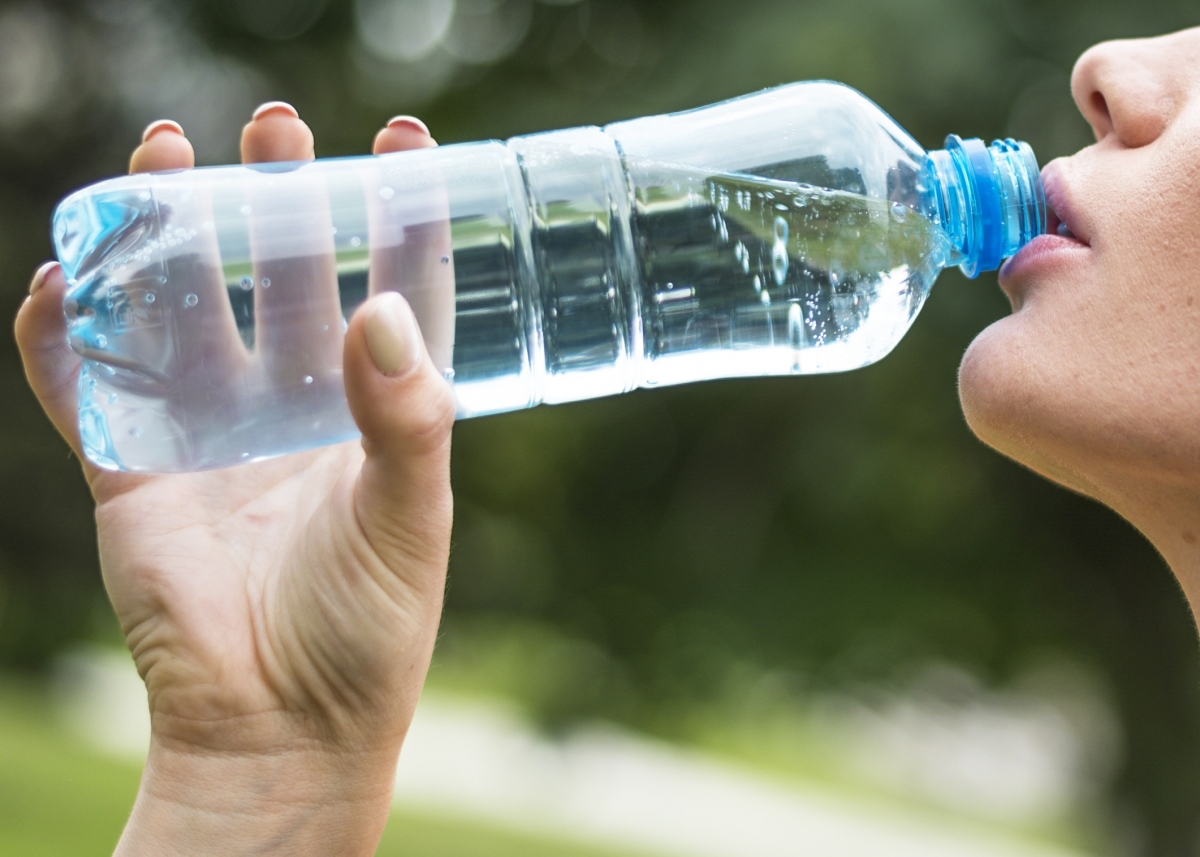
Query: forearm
308	802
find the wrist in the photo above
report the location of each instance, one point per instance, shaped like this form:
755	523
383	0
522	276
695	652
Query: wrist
312	800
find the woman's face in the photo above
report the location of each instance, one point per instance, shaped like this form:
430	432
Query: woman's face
1094	380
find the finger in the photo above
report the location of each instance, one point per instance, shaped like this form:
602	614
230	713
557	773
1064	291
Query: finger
51	367
164	147
206	346
411	249
401	134
298	316
276	133
405	411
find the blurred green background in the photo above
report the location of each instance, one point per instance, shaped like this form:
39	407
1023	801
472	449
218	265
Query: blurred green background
689	562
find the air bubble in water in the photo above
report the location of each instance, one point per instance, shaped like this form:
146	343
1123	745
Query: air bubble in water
245	210
266	282
190	300
779	253
386	193
308	379
899	211
448	374
149	297
445	260
355	241
101	340
795	332
112	398
247	283
136	431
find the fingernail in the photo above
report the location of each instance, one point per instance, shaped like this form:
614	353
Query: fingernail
270	106
39	277
162	125
410	121
393	337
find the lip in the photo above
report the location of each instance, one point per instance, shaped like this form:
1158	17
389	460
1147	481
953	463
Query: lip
1045	249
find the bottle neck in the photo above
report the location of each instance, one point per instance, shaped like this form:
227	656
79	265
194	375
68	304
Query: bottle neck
988	199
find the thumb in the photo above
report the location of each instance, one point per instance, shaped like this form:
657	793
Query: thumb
405	411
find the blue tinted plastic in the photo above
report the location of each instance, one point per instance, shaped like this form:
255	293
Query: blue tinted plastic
794	231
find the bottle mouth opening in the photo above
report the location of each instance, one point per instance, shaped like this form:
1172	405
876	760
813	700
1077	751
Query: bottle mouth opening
993	201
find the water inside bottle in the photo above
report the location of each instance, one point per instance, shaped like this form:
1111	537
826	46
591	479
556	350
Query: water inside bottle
750	276
736	275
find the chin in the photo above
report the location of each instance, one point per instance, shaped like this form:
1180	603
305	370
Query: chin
1014	405
991	388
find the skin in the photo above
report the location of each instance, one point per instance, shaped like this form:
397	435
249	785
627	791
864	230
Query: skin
282	614
1094	380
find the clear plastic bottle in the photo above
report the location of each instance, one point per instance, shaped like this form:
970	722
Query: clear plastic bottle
793	231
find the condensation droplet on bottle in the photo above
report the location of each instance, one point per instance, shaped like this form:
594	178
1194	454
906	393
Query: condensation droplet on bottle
247	283
266	282
308	379
163	279
101	340
324	327
355	241
899	211
190	300
386	193
245	210
448	374
149	297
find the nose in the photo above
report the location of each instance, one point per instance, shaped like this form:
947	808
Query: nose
1124	89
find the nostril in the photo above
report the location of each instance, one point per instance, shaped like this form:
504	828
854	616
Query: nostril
1100	106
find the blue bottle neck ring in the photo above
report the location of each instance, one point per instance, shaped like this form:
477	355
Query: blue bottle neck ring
989	200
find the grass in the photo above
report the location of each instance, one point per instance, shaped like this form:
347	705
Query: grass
58	797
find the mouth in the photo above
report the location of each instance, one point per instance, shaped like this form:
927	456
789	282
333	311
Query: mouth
1064	233
1060	216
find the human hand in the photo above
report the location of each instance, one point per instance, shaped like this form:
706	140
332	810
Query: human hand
282	614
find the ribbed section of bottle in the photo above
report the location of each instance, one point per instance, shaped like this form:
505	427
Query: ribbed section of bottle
988	199
586	295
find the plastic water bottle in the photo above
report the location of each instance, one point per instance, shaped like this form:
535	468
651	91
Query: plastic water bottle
793	231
